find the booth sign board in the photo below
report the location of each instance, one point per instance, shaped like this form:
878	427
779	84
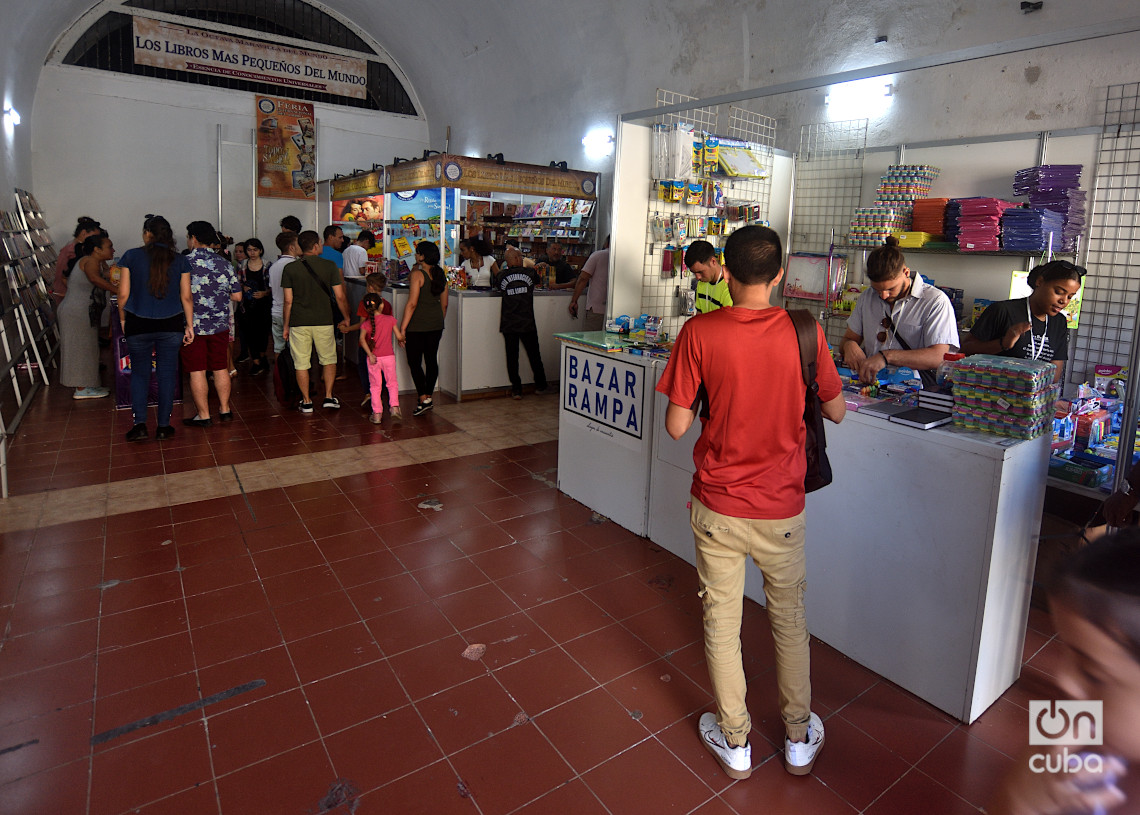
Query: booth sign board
355	186
604	394
470	173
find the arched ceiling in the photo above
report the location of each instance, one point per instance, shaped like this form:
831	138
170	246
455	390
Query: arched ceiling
529	78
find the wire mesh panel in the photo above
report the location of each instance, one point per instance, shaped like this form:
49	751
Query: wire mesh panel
699	118
1112	286
828	182
663	275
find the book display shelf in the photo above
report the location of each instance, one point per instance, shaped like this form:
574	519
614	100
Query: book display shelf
29	339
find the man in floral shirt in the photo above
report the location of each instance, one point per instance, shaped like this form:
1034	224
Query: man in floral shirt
213	284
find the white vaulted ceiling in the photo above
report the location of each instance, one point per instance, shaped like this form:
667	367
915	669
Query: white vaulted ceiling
530	78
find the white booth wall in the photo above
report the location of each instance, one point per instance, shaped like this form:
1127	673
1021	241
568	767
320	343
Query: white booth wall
117	147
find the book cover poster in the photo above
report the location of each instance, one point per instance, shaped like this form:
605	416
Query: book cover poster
286	148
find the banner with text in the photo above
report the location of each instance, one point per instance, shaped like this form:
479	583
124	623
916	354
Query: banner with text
177	48
286	149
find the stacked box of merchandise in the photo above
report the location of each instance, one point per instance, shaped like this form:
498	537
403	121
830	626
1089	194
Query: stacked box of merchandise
891	212
872	225
1002	395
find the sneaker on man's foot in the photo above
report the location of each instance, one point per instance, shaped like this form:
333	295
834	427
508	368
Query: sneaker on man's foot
422	408
306	407
331	403
799	757
735	761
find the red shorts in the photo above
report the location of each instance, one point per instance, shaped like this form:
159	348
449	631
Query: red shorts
206	353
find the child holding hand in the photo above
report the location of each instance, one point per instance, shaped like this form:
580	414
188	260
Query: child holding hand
375	333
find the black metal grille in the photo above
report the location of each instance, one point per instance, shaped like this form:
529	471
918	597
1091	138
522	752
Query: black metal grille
109	45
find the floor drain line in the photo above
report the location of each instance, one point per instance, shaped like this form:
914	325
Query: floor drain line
244	497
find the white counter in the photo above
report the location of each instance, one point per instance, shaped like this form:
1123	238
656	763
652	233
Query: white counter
472	358
920	554
605	431
481	360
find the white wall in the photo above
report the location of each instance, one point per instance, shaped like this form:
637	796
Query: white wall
118	147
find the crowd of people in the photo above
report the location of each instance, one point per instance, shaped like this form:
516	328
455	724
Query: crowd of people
197	304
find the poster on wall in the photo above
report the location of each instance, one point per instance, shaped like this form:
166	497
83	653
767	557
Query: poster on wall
358	203
418	212
286	148
178	48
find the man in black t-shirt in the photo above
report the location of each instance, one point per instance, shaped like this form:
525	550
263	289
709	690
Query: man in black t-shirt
516	320
1020	335
564	274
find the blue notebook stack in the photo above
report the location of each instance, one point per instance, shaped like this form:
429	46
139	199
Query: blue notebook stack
1027	229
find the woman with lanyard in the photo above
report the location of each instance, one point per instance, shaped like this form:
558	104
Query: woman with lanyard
900	320
1032	327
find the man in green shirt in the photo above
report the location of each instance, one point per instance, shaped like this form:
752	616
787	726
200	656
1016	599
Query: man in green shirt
712	288
314	301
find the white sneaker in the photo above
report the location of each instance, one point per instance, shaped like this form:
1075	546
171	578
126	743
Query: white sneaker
799	757
736	761
90	393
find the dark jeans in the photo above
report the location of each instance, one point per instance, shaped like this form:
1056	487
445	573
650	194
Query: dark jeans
422	348
533	354
165	346
254	320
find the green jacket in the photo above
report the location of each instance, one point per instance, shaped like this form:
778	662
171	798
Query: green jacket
711	296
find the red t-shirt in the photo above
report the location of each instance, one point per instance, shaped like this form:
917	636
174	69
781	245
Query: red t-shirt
362	312
750	456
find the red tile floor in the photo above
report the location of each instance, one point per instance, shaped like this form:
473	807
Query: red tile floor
303	649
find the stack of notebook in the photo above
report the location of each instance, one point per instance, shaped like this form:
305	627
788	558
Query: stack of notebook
1055	187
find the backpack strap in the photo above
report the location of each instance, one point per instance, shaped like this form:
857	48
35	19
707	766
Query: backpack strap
806	338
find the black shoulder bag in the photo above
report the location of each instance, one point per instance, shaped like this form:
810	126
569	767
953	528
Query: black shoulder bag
818	473
335	309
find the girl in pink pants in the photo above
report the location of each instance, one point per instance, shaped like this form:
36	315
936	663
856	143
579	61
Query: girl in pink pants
375	338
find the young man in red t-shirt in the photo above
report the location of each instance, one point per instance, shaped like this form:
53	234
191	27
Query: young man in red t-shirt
748	490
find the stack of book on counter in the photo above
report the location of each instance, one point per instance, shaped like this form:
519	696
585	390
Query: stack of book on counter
1010	397
904	412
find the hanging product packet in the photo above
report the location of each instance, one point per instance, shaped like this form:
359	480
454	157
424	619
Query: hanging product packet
698	152
680	230
712	153
667	260
677	192
693	193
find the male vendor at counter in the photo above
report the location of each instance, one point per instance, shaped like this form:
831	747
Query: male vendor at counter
712	286
900	320
747	497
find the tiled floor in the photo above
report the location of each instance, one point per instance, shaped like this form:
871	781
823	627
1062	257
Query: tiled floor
293	632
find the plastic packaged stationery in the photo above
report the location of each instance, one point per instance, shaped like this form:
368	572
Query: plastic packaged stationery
712	153
1007	373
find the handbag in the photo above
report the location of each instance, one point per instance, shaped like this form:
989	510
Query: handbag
96	306
818	473
334	308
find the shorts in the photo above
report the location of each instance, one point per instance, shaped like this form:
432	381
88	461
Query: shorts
278	332
207	352
302	340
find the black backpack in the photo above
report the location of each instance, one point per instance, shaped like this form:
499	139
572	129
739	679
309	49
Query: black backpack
815	444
